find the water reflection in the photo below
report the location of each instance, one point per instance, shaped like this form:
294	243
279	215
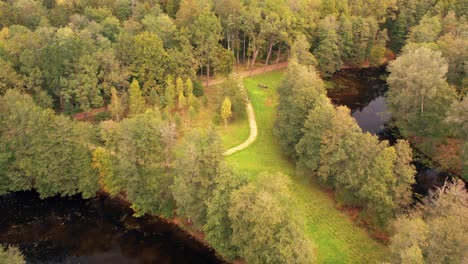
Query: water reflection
100	230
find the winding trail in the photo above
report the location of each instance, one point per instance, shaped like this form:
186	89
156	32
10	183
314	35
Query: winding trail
248	106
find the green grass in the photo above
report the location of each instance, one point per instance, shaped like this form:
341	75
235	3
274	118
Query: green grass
237	130
235	133
337	238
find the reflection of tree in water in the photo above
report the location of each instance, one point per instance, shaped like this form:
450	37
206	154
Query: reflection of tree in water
73	230
356	88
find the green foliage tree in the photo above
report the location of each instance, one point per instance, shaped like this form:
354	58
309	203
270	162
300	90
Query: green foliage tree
419	94
135	161
427	31
232	88
206	34
197	169
266	226
218	228
298	91
137	102
327	52
434	232
148	58
300	51
28	135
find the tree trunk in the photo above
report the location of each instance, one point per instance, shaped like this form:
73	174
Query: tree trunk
252	63
278	56
208	74
422	104
270	47
243	59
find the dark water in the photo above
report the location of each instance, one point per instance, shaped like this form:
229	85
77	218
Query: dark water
363	91
99	230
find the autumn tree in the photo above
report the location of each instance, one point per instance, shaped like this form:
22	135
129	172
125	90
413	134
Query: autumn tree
116	107
226	112
137	102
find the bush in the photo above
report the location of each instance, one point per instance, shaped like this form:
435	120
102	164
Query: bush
103	116
198	89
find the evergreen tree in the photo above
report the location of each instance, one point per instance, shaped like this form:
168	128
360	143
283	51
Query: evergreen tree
115	107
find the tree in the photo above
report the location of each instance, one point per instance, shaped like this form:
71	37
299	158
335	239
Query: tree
417	82
197	169
28	135
377	53
206	34
137	103
298	91
148	58
115	107
435	232
218	227
84	85
427	31
234	90
11	255
345	38
265	223
169	93
135	161
181	100
327	51
300	52
188	90
308	147
226	112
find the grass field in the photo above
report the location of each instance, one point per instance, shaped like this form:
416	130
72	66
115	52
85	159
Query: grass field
337	238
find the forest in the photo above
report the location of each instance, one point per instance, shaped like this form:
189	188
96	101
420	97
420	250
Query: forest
141	101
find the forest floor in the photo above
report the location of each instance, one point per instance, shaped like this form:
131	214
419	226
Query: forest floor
337	237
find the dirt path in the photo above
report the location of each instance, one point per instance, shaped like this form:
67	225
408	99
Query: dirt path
248	107
256	71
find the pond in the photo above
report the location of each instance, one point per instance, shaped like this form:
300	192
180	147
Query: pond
363	91
98	230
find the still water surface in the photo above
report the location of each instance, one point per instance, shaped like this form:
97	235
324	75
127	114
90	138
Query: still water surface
98	230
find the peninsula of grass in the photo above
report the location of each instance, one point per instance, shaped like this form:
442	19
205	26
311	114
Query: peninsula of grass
337	238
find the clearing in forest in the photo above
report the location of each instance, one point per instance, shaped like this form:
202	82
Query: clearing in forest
337	238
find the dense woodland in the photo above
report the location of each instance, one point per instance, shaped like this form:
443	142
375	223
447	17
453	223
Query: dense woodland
145	62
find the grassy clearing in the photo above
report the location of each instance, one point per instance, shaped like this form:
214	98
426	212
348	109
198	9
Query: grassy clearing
337	238
234	134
